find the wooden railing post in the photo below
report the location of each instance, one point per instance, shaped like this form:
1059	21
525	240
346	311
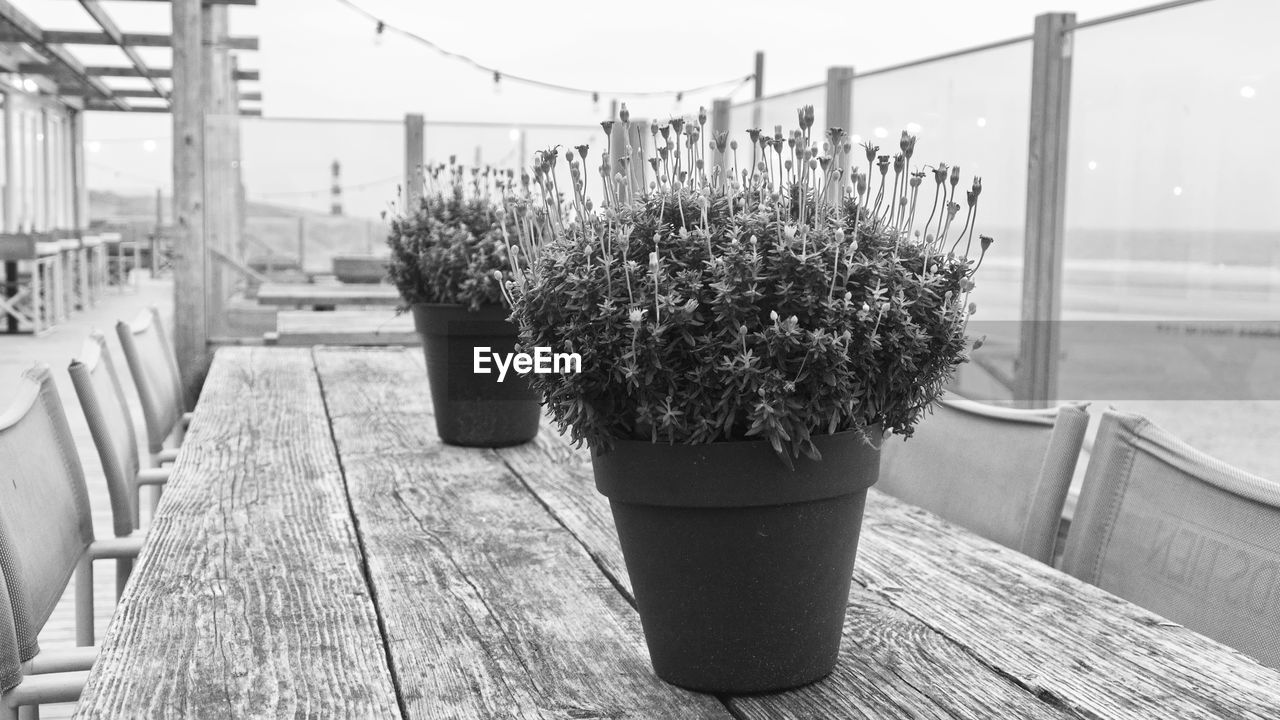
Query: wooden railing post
1036	375
719	124
190	334
839	114
415	131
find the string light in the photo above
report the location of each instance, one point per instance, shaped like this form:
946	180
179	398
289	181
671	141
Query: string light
383	26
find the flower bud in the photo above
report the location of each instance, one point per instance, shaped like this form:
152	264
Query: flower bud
871	151
733	144
986	241
607	126
702	115
754	134
773	315
955	176
977	187
624	114
899	162
677	124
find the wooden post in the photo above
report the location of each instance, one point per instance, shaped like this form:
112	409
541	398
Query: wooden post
302	242
759	89
839	114
719	124
190	334
79	189
1036	375
414	140
157	239
221	117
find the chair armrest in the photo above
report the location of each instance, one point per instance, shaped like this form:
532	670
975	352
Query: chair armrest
167	455
153	476
62	660
44	689
120	547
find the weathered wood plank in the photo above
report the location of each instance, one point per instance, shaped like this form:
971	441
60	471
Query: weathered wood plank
345	327
293	294
891	664
491	609
1070	643
249	599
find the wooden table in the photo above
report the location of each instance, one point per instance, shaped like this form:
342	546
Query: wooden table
319	553
326	295
343	327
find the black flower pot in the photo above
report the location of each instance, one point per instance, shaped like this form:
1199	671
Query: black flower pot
474	409
740	566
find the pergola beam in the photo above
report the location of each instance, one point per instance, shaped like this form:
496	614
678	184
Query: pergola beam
103	107
127	93
19	28
120	71
109	28
80	37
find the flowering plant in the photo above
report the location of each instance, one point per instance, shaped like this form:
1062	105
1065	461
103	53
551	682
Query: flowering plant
447	249
778	299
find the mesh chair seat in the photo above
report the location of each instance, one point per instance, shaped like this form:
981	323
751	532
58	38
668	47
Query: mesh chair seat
154	368
1002	473
1180	533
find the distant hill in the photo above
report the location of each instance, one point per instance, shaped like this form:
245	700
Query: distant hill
111	207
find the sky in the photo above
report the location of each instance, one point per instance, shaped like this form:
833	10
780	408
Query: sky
321	59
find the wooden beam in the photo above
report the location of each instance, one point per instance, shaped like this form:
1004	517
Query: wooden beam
189	295
414	141
34	68
130	93
20	28
100	107
81	37
110	29
839	94
1037	368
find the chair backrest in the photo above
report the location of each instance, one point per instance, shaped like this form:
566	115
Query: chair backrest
1180	533
102	399
1000	472
154	368
45	523
10	657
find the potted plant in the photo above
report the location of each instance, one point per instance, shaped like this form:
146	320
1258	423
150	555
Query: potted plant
444	256
748	333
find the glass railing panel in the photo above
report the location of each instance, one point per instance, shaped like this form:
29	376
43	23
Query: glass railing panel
969	111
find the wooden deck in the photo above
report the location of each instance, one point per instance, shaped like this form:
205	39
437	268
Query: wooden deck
343	327
327	294
57	348
319	552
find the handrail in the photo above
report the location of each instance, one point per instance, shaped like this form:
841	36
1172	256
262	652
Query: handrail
429	123
777	95
1132	13
944	56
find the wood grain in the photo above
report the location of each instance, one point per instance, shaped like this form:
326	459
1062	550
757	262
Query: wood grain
345	327
294	294
943	623
1071	644
491	609
249	599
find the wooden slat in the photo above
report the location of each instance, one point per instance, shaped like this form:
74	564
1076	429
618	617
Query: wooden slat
108	26
249	598
32	68
17	27
86	37
883	659
294	294
490	608
345	327
976	628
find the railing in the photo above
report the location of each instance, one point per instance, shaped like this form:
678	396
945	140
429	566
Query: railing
1124	180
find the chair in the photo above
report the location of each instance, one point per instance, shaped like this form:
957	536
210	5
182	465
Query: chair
1002	473
46	531
49	677
154	368
36	298
102	399
1180	533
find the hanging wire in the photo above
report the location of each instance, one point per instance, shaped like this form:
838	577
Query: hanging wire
383	26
